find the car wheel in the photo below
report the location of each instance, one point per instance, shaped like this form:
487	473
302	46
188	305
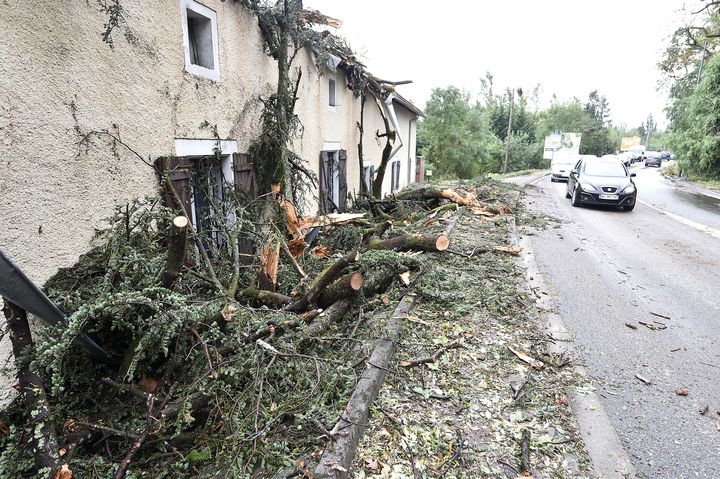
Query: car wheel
575	197
629	208
567	192
646	164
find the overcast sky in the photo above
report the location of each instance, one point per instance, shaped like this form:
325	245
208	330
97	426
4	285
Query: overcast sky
569	47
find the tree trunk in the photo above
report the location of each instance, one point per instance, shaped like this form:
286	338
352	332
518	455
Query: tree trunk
433	242
329	275
177	243
376	231
43	440
361	126
345	287
331	315
380	174
337	458
267	298
390	136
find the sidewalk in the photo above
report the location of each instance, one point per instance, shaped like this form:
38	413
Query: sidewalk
694	187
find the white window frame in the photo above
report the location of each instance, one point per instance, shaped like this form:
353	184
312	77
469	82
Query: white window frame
200	9
198	148
332	102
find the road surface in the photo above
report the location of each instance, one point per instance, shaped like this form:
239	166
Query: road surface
606	268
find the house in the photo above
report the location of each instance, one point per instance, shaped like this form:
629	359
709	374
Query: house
81	122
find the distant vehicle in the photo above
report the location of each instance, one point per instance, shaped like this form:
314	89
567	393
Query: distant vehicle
601	182
665	155
626	158
653	158
637	152
561	165
611	157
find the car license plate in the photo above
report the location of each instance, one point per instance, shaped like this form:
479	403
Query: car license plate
609	197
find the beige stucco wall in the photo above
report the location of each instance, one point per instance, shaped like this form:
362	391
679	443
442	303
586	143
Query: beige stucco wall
59	83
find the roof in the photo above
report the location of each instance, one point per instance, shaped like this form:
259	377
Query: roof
407	104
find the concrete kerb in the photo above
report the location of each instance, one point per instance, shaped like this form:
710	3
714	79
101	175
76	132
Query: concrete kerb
608	457
693	187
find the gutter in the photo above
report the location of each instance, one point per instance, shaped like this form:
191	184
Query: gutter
394	121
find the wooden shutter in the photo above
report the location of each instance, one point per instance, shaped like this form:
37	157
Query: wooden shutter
179	176
322	180
342	175
244	174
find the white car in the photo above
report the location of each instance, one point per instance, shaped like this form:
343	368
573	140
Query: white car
561	166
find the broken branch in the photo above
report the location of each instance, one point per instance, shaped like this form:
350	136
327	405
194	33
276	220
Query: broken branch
455	344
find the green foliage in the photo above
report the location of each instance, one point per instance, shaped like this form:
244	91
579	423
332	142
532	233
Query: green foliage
696	136
690	66
456	137
565	117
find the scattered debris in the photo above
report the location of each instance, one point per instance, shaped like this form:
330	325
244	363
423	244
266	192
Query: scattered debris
682	391
703	410
659	315
630	325
535	363
643	379
457	343
653	326
508	249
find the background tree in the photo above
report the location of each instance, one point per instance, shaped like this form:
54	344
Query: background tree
690	67
455	137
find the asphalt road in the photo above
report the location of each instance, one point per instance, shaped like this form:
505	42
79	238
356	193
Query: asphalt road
606	268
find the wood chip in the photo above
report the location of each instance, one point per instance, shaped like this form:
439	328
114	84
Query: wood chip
643	379
682	391
508	249
703	410
535	363
405	277
630	325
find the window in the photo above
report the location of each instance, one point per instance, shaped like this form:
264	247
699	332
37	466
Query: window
203	180
332	98
200	40
333	181
395	176
368	175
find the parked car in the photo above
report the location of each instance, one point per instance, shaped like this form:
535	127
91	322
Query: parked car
665	155
560	167
601	182
653	158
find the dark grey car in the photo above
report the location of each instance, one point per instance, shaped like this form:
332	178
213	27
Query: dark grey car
653	158
601	182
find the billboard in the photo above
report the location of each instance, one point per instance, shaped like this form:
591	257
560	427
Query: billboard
628	142
561	144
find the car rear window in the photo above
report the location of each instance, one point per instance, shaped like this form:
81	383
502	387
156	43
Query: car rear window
604	168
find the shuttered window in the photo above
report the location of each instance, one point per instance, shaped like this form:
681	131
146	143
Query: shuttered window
333	181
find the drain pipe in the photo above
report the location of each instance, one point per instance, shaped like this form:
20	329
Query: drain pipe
390	108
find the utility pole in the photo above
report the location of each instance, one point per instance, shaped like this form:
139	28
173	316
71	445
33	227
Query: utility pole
509	132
